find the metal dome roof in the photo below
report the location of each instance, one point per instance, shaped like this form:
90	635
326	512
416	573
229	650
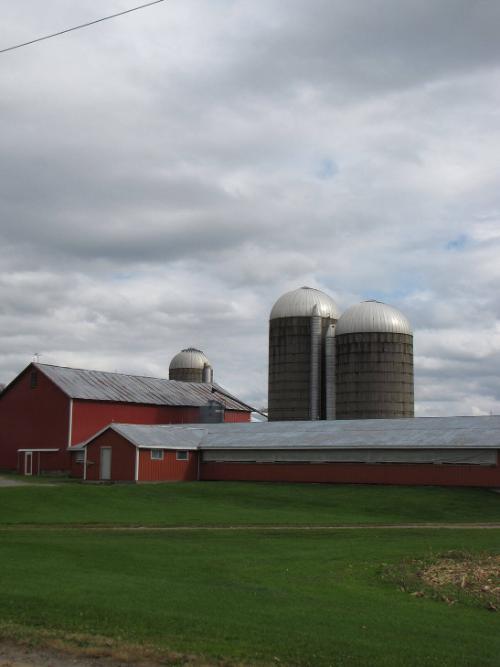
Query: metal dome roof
189	358
300	303
373	316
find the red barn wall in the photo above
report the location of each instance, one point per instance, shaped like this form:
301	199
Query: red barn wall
34	418
122	457
234	416
91	416
169	469
344	473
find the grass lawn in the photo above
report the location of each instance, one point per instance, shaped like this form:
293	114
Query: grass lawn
293	598
308	598
232	503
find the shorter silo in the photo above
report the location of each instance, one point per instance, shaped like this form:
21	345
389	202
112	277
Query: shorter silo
190	365
373	363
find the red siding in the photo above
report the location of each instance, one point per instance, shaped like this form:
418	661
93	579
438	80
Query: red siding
122	457
344	473
236	416
32	419
91	416
169	469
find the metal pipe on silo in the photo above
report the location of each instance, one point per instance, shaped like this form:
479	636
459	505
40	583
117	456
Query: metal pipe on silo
208	374
315	382
330	372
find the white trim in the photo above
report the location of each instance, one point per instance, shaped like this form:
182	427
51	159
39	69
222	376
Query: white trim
70	426
85	464
30	454
156	458
37	450
136	475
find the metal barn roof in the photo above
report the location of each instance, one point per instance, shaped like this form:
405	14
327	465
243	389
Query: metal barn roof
414	433
118	387
159	436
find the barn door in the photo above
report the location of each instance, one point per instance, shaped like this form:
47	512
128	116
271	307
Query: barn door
105	467
28	463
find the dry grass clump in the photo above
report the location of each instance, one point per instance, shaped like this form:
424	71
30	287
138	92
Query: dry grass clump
453	577
479	576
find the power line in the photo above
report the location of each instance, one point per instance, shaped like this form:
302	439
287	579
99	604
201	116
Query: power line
78	27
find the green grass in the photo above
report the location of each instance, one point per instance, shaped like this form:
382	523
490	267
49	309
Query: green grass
295	598
232	503
305	598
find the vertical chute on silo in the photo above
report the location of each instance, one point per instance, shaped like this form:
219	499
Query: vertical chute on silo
330	372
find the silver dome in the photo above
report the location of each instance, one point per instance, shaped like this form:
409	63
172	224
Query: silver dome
373	316
189	358
300	303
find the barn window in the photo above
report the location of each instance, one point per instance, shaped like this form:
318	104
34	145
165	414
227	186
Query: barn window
182	456
34	379
157	455
80	457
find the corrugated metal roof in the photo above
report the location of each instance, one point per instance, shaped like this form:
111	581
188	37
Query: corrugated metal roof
372	316
414	433
118	387
300	303
159	436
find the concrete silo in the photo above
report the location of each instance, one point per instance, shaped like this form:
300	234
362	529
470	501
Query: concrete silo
191	365
374	363
298	325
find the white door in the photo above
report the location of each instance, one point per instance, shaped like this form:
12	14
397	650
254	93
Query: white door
105	463
28	463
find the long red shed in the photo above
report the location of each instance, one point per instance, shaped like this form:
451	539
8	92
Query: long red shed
47	409
448	451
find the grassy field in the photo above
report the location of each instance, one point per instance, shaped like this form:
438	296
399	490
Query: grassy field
232	503
308	598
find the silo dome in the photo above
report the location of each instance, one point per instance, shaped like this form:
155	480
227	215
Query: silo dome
189	358
190	365
373	316
300	303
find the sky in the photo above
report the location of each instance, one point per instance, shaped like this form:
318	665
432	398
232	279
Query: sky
167	175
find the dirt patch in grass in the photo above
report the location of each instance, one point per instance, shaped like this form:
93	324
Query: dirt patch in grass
22	646
452	577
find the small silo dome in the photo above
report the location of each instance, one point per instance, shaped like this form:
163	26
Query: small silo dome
301	302
373	317
189	358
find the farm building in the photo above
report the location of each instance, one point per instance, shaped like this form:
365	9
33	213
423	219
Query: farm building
47	409
449	451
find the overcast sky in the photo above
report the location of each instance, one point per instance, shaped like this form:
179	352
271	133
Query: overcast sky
166	176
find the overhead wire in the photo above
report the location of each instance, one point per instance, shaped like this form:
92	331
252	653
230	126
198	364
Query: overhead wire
79	27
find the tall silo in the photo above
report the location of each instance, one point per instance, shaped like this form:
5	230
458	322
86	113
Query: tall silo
298	325
191	365
374	363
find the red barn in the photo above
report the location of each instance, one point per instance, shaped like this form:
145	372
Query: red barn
47	409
